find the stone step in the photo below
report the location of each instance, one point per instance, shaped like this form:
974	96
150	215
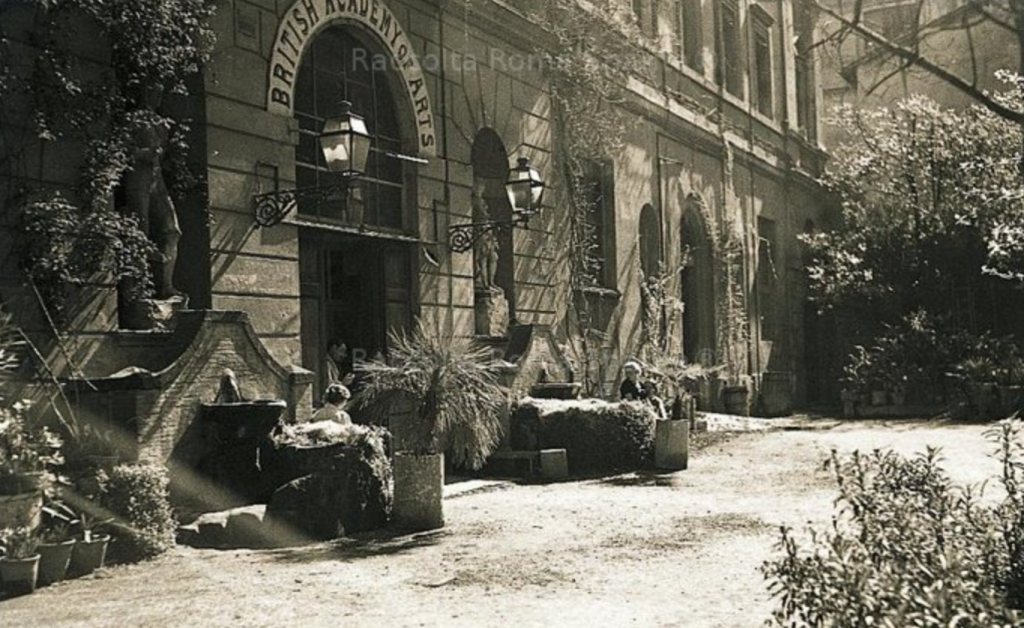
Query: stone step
545	464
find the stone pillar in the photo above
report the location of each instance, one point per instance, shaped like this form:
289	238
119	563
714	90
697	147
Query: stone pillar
491	309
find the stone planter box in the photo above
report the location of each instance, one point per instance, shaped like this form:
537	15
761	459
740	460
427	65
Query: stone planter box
672	445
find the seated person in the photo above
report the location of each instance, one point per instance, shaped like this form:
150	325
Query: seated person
633	389
335	400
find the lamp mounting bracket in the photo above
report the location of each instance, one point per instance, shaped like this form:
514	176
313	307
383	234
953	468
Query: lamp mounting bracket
463	237
272	207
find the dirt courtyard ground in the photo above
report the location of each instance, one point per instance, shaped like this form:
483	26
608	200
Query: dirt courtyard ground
640	549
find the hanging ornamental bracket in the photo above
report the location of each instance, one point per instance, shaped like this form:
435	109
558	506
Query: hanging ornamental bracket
272	207
463	237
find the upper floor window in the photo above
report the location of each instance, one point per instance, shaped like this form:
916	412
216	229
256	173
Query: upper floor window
689	29
731	47
336	67
893	20
763	80
598	186
805	99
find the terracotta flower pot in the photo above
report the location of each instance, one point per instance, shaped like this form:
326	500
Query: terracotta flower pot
54	559
671	445
23	509
88	556
19	575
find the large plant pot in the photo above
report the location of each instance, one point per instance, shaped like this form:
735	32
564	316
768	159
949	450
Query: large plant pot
777	393
88	556
419	487
54	559
19	575
671	445
736	400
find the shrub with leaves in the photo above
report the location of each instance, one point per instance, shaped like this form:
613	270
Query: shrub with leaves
597	435
144	526
930	214
907	547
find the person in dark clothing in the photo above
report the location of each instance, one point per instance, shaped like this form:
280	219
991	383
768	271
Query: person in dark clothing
632	389
338	364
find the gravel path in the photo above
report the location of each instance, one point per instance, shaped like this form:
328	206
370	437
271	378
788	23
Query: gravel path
640	549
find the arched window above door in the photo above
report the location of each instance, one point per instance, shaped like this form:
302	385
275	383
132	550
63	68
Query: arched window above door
335	67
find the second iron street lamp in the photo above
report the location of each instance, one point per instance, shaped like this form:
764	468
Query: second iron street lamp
345	144
525	189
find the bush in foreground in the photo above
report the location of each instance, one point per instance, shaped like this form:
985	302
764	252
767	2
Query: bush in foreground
144	524
907	547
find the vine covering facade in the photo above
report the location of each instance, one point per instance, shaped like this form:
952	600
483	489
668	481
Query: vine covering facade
453	93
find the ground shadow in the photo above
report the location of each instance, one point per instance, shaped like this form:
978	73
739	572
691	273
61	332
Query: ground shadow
364	545
642	477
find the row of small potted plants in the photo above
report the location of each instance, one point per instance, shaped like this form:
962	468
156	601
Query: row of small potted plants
64	544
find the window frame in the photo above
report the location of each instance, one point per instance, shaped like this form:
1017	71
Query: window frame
689	18
365	206
803	71
763	65
731	66
599	181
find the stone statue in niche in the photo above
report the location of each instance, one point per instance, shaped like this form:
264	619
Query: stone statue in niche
486	252
490	303
148	199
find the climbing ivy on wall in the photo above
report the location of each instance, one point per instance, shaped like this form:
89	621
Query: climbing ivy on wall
597	47
84	105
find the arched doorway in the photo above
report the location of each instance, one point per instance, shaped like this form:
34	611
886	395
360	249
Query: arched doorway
697	283
490	202
356	252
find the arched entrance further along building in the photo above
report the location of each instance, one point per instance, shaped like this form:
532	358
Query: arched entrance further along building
697	283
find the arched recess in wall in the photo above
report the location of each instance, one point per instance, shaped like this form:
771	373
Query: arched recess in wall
490	163
697	282
649	240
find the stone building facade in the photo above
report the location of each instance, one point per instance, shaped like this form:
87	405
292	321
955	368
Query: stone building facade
725	149
955	37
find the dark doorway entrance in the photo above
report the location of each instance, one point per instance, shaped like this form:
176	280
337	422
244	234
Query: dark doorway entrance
353	288
698	290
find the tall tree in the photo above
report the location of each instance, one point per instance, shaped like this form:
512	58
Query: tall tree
927	32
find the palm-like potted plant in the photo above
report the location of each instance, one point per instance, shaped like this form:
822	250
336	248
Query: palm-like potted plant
19	564
437	394
56	541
